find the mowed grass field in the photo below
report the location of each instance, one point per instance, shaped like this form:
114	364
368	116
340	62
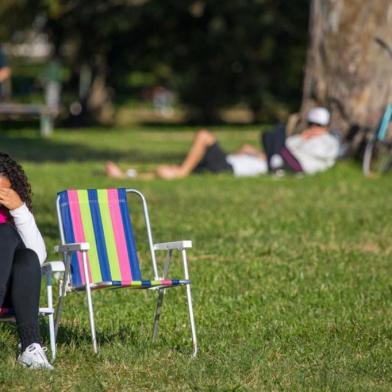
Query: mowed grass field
292	277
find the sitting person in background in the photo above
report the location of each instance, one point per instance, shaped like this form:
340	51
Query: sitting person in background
314	150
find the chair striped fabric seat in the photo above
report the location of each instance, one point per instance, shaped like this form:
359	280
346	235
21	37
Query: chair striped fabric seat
137	284
101	218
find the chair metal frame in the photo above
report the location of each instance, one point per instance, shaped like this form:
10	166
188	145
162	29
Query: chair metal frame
68	249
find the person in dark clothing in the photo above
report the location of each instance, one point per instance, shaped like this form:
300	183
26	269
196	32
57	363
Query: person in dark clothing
22	250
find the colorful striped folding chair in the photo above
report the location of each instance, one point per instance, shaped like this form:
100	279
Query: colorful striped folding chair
99	250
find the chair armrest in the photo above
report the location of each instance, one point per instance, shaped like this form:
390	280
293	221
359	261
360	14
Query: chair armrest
53	266
179	245
72	247
53	269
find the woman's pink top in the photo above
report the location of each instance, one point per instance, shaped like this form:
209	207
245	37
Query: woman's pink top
4	215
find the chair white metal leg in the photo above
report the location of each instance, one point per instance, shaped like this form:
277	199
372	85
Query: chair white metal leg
192	320
190	307
90	303
161	296
50	317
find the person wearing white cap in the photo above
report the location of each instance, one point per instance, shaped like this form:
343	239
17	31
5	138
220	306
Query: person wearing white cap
312	151
316	148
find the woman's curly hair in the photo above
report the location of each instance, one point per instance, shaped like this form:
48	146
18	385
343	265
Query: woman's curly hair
13	171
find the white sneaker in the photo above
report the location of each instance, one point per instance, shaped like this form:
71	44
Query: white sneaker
34	357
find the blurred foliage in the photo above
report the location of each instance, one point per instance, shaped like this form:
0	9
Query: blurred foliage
212	53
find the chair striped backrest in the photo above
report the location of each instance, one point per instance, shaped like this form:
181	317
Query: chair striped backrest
100	217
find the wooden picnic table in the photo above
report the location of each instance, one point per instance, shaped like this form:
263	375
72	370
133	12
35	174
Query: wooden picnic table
18	110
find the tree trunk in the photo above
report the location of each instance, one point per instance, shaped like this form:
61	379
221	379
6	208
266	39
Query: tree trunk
99	102
349	69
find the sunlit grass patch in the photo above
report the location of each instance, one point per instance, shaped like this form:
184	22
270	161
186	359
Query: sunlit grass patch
291	276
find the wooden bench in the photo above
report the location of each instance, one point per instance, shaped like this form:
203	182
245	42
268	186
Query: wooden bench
18	110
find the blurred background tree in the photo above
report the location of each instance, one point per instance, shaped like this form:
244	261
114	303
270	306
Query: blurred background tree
221	53
349	66
212	53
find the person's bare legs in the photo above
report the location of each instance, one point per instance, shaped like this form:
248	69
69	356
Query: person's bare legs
114	171
203	139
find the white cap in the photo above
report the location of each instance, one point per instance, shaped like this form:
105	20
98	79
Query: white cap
319	116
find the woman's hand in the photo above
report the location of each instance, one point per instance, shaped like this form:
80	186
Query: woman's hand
10	199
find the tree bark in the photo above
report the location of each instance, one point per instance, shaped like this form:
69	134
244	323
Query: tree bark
349	69
99	103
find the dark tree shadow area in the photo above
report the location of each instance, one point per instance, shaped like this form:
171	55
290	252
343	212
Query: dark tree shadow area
39	150
25	147
71	333
42	150
179	126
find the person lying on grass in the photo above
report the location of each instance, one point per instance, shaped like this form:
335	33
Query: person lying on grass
312	151
22	251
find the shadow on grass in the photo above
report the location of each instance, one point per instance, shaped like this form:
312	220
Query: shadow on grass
67	334
40	150
124	336
28	146
179	126
24	148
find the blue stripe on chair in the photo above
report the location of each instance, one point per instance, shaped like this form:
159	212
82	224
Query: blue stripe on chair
146	283
128	232
99	235
69	236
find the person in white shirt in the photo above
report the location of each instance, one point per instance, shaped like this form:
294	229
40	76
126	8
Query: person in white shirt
314	150
22	251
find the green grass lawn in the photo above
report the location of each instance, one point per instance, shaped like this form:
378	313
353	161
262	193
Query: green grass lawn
291	277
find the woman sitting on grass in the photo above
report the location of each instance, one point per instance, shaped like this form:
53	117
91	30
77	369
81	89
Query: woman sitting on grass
312	151
22	251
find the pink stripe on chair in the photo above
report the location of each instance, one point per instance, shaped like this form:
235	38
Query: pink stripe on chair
78	230
119	236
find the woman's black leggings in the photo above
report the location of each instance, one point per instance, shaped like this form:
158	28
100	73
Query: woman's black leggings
20	283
